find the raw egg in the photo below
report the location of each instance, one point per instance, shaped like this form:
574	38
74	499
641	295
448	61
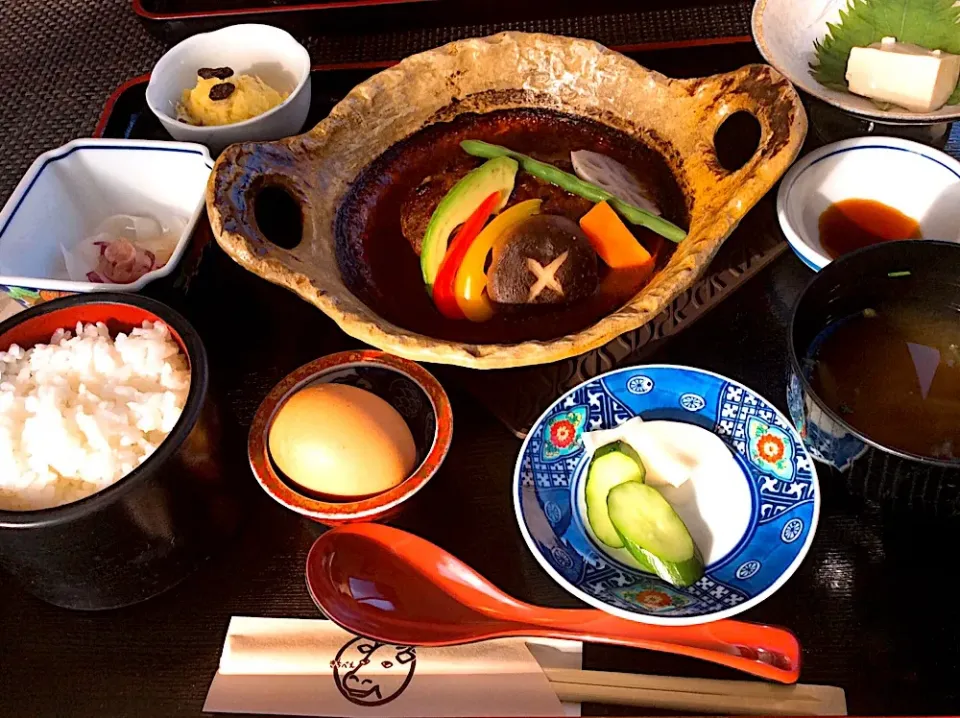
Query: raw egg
341	441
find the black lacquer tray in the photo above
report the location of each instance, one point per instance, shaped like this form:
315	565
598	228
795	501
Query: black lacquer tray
865	604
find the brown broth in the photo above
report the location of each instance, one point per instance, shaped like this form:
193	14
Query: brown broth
380	268
855	223
893	373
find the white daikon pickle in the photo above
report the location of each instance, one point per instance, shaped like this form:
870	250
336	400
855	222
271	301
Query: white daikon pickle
671	451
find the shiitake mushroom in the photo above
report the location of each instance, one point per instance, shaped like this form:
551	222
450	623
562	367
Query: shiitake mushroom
547	259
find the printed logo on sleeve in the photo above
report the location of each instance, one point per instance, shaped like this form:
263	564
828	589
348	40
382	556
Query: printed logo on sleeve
370	673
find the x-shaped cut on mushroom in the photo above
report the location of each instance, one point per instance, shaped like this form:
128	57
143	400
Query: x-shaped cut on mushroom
546	276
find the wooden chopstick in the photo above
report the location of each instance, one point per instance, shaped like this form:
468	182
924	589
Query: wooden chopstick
687	685
696	694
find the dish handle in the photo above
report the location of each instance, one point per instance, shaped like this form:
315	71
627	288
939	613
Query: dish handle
257	200
764	93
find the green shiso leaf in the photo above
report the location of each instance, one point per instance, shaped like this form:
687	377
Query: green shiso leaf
929	23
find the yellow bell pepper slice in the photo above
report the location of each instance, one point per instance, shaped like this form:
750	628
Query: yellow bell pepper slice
471	283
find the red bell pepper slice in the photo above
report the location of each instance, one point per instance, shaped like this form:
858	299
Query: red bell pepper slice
444	295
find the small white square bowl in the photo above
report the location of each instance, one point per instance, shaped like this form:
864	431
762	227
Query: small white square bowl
68	191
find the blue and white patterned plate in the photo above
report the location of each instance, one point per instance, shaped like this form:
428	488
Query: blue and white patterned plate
763	537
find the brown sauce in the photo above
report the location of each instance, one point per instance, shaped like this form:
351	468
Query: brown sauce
381	268
893	374
855	223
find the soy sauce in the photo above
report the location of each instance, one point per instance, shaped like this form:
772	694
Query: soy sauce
854	223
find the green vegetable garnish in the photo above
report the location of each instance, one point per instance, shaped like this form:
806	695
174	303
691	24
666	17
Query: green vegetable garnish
456	207
898	274
653	533
610	466
928	23
575	185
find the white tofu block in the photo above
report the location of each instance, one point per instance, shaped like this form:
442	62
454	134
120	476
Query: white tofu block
907	75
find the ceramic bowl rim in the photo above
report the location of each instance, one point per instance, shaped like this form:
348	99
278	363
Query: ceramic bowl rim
199	39
797	241
196	398
371	507
812	87
37	168
797	369
641	617
340	148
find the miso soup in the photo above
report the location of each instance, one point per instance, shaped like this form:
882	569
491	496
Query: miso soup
893	373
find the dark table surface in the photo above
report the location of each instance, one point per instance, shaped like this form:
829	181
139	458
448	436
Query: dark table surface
871	604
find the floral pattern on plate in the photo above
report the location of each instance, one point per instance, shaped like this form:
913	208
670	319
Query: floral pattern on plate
561	435
778	471
771	448
825	439
655	597
31	297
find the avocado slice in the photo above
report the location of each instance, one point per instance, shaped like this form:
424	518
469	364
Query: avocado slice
654	533
610	466
496	175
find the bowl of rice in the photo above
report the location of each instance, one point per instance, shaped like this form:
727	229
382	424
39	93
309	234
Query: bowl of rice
111	480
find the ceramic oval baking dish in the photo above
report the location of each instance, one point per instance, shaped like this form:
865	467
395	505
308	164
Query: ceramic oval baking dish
677	118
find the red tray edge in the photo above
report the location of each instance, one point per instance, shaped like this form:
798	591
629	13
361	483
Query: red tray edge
140	10
107	111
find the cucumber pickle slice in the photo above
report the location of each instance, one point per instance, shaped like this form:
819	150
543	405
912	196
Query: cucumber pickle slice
654	533
610	466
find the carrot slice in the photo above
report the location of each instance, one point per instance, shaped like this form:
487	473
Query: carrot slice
611	239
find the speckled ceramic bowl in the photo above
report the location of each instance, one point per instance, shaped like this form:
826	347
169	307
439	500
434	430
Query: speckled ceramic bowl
676	120
785	30
407	386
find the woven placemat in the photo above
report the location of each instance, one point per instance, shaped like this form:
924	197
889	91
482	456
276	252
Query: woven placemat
61	59
624	28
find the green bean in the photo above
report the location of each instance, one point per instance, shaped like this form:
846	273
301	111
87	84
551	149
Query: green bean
575	185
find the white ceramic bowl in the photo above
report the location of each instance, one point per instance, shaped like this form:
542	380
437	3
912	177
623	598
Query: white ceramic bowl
784	31
68	191
267	52
920	181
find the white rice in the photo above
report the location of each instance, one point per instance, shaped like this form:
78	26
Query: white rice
83	411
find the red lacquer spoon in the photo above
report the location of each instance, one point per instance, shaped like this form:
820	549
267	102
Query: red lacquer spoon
391	586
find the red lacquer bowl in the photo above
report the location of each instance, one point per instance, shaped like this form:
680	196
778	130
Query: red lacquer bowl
407	386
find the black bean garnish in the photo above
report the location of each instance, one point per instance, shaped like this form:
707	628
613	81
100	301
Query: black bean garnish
222	90
221	73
